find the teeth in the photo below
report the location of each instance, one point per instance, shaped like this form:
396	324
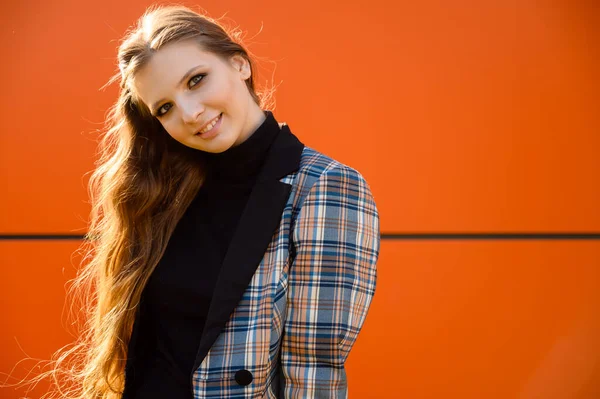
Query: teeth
210	125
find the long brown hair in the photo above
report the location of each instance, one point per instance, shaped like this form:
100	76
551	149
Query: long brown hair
141	187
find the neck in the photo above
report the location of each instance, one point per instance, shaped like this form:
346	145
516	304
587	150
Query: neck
254	119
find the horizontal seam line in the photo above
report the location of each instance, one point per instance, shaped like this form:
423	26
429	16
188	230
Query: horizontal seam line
491	236
384	236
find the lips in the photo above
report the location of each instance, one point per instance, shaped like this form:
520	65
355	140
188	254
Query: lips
213	126
209	125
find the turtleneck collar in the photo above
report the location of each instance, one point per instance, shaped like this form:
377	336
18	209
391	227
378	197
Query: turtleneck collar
244	160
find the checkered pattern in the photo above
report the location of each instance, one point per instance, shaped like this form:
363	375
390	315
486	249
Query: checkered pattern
307	301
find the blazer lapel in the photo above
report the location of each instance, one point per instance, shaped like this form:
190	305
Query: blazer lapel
258	223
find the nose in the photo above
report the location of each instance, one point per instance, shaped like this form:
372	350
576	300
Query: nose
191	112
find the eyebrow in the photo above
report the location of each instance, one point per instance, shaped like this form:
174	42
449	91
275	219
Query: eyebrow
183	79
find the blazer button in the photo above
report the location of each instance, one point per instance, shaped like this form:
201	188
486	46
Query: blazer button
243	377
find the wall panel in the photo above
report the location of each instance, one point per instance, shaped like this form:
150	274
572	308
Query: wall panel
482	319
463	116
453	319
34	324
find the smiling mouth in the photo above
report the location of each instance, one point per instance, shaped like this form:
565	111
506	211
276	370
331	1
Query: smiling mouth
210	126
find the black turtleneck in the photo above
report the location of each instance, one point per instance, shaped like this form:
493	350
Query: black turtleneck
176	299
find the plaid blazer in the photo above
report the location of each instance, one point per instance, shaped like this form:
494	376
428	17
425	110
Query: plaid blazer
296	282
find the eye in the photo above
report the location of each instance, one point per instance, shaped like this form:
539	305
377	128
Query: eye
192	82
196	79
163	110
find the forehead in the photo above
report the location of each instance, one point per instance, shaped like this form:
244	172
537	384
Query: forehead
162	73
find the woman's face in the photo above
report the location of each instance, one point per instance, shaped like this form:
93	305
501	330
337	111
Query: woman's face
201	99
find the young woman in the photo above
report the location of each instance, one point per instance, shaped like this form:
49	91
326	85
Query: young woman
229	260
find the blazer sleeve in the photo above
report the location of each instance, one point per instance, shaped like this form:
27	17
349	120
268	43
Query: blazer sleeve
331	283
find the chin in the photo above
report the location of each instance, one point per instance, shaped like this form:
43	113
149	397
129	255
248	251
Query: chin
215	146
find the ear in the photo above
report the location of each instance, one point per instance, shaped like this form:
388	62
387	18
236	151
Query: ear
241	65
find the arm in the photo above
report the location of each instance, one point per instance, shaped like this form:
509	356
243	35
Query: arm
331	284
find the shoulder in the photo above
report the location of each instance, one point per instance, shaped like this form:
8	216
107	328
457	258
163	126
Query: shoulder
323	176
315	166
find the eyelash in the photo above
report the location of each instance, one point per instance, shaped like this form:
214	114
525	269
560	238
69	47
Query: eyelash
201	75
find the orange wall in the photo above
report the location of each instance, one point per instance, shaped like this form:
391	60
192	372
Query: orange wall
464	116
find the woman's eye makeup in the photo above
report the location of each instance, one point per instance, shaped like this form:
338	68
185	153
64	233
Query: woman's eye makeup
194	80
163	110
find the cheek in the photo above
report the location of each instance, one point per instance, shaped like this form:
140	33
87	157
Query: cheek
173	129
226	94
